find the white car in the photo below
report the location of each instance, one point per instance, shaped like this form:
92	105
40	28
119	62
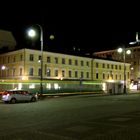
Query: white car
14	96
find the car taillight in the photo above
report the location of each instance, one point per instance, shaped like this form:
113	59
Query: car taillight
7	93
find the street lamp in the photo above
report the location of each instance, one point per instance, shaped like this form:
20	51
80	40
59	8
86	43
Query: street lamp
124	51
3	67
137	40
32	33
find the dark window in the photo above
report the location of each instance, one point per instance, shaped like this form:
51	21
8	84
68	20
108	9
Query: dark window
103	76
20	71
70	73
116	76
31	72
82	74
76	74
48	59
14	59
56	73
82	63
63	60
97	76
112	66
14	71
108	66
31	57
70	62
76	62
87	74
97	65
39	57
21	57
120	67
63	73
8	59
103	65
56	60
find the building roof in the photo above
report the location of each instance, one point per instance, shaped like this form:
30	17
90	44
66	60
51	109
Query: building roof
7	40
110	51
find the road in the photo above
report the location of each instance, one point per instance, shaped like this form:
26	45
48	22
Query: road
81	117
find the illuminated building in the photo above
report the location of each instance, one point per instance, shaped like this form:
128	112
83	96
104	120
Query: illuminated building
24	65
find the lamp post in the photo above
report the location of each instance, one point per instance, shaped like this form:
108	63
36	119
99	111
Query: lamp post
32	33
124	51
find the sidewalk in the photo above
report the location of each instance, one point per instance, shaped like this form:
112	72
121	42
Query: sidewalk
84	93
71	94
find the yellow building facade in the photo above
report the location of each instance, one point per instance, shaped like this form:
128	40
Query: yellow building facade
24	65
110	70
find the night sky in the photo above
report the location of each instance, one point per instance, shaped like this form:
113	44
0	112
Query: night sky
77	29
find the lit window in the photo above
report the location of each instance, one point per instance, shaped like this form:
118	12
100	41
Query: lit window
48	72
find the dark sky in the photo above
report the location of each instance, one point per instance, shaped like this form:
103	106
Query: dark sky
83	27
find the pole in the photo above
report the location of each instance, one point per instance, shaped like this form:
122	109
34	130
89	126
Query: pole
124	89
41	75
32	34
137	36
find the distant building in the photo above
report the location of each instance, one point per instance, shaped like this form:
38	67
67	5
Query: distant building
24	65
7	40
133	59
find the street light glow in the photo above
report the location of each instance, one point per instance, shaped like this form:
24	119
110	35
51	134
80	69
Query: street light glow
31	33
120	50
128	52
51	37
3	67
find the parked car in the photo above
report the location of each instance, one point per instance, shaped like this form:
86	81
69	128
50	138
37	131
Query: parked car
14	96
1	92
